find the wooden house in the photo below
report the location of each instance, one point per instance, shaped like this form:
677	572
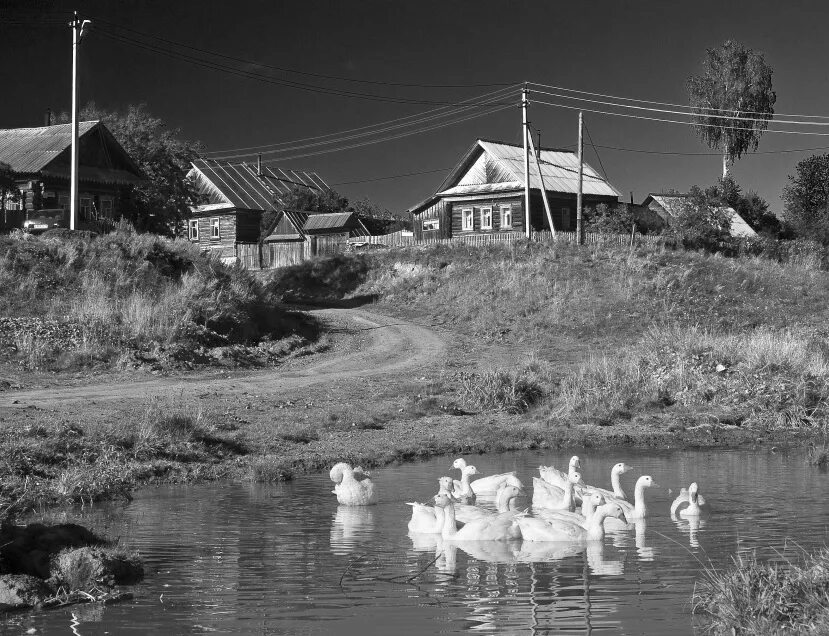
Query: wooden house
39	162
484	193
236	196
669	206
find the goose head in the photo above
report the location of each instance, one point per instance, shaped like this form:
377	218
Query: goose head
574	464
446	483
469	470
614	510
646	481
574	477
693	491
459	463
621	468
442	501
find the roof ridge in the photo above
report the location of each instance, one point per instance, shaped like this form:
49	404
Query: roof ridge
86	121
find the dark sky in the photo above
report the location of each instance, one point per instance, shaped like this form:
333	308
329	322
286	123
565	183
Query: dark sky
643	50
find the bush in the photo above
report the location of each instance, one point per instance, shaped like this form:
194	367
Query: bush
512	392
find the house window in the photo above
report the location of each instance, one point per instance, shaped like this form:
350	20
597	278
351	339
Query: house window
194	229
486	218
63	200
466	219
214	228
506	217
106	208
431	224
565	218
86	207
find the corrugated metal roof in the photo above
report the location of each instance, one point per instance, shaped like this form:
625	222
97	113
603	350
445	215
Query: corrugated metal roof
29	150
241	185
327	221
559	168
673	204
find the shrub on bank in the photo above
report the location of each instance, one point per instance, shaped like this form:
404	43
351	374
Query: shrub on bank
765	598
73	299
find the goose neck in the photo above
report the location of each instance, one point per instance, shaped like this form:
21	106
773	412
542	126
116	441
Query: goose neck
639	500
595	525
616	482
450	528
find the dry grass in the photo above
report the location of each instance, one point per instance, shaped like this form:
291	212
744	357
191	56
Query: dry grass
761	598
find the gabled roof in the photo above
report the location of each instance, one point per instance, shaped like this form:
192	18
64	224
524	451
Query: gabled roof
673	204
336	221
33	151
241	185
488	162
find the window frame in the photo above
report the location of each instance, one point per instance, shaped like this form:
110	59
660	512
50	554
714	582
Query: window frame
471	217
215	229
107	202
193	229
89	206
434	224
488	226
508	209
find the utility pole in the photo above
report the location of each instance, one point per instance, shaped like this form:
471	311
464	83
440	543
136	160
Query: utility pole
525	129
77	35
579	206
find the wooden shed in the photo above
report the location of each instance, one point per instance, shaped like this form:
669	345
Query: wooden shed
669	206
484	193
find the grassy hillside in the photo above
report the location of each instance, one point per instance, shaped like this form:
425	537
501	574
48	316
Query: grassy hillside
68	302
671	337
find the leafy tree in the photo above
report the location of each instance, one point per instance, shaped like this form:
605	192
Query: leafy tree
806	198
751	207
604	219
736	82
699	221
165	158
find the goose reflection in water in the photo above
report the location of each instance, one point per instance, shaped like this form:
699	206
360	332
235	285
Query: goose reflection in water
690	526
351	528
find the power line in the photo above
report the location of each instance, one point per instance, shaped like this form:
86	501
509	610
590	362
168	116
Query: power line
375	128
708	154
375	141
689	113
674	121
394	176
598	156
649	101
282	69
264	78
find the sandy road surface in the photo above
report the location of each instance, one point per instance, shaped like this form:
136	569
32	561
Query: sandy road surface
383	346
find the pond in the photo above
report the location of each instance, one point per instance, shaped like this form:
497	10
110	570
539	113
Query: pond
285	559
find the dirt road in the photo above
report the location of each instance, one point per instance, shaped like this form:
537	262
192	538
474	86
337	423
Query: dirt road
365	344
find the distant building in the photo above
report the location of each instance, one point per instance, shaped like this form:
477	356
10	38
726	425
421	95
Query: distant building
39	162
668	206
236	196
484	193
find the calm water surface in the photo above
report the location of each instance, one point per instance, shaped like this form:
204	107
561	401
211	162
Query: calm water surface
285	559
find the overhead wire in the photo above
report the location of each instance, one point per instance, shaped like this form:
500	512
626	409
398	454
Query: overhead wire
394	176
265	78
598	156
483	100
650	101
674	121
283	69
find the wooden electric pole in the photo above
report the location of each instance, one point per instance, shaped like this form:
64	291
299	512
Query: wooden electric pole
579	205
525	129
77	34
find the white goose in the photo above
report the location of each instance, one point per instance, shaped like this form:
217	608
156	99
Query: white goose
551	497
556	477
429	519
639	509
615	480
505	502
354	486
684	498
588	506
689	506
500	527
490	484
533	529
462	490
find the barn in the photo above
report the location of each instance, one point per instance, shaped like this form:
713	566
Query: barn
484	193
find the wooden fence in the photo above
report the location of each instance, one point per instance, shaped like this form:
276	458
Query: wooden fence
273	255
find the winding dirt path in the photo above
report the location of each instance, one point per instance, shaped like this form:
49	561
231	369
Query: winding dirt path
366	344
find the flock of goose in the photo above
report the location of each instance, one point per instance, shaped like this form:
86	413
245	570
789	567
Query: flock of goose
564	507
